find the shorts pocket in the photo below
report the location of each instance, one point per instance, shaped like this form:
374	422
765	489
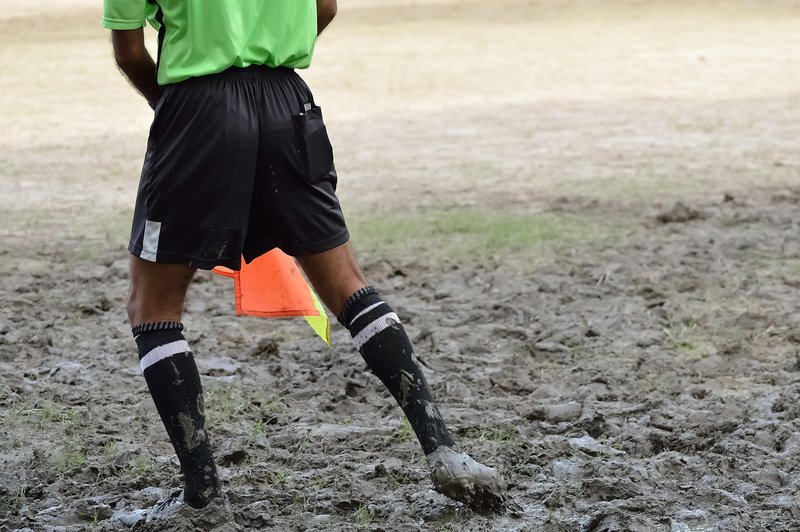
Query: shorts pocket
313	146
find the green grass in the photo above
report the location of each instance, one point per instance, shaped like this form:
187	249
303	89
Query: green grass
110	449
226	404
776	265
75	460
476	171
478	233
117	226
230	403
363	517
90	237
12	502
498	435
644	187
283	477
405	432
140	466
111	232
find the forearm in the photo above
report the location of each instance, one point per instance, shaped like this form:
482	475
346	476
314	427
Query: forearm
326	10
135	62
142	75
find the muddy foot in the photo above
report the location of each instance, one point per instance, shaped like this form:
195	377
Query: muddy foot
461	478
172	514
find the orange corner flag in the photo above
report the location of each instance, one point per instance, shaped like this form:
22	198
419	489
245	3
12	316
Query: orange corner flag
272	287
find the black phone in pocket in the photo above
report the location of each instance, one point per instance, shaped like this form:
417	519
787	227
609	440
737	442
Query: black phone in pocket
314	148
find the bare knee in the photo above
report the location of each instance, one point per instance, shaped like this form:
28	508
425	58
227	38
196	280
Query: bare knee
157	291
334	274
138	302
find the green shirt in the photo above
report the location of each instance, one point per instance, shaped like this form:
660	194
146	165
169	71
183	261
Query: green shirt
199	37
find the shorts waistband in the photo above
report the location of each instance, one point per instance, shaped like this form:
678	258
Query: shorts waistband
252	72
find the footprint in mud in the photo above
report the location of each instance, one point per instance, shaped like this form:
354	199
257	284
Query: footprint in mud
172	514
461	478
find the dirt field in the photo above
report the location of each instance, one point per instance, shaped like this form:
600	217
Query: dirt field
586	213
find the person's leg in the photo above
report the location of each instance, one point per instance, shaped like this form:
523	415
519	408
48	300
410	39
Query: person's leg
302	200
387	350
155	308
379	337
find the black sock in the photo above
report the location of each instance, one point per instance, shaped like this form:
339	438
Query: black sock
174	382
382	341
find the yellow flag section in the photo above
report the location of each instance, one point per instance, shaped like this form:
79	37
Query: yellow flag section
273	287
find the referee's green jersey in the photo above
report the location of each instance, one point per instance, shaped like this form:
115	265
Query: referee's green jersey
199	37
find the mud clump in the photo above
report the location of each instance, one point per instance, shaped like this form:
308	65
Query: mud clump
680	213
461	478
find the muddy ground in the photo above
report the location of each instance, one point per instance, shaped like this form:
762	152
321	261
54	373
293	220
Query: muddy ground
593	241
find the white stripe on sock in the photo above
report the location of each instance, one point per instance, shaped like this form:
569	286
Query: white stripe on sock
379	303
376	326
163	351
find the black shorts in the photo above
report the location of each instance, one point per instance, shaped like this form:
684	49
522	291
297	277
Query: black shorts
237	163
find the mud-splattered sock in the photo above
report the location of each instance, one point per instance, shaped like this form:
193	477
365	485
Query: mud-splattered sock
174	382
382	341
